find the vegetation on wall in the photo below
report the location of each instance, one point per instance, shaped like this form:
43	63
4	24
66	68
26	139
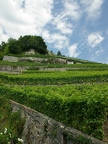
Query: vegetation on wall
11	124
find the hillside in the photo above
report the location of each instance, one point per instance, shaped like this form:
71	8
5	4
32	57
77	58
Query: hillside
69	90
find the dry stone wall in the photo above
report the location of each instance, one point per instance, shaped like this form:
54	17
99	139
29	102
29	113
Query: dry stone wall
34	59
13	69
40	129
10	58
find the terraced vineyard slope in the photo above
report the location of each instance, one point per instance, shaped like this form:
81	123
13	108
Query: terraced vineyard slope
74	93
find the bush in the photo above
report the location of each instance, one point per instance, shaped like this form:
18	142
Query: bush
1	55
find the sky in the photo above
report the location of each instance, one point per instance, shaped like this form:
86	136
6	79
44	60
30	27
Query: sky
76	28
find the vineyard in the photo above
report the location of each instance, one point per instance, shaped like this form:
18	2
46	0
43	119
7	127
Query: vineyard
77	96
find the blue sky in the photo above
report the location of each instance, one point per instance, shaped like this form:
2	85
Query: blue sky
77	28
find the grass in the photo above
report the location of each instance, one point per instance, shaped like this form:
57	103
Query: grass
11	124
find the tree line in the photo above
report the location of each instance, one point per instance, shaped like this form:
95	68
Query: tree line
23	44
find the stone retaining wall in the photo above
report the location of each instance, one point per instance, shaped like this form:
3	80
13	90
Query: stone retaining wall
40	129
10	58
34	59
13	69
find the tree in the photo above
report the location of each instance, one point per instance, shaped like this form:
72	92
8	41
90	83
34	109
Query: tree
38	44
6	50
2	46
51	51
33	42
59	53
24	43
14	47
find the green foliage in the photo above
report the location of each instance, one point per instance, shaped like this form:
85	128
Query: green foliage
23	44
16	127
1	55
83	107
14	47
56	77
5	111
77	140
11	124
6	50
59	53
82	140
4	138
2	46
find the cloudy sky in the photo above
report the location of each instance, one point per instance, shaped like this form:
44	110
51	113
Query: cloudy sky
77	28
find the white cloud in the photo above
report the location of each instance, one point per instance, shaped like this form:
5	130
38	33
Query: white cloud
73	50
64	27
99	52
3	36
29	19
72	9
92	7
59	22
40	10
59	41
63	20
94	39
